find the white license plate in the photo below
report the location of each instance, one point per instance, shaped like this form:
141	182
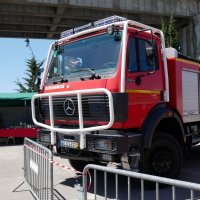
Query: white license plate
69	144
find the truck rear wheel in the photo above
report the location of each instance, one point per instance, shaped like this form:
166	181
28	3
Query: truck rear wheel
164	158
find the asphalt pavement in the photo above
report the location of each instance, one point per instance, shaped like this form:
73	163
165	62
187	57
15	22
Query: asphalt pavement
11	178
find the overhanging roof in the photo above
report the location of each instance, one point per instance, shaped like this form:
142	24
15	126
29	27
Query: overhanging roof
15	99
48	18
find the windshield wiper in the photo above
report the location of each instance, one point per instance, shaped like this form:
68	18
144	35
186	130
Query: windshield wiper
91	70
62	79
92	77
55	75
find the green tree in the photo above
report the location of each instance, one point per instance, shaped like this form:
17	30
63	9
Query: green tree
33	72
171	33
164	29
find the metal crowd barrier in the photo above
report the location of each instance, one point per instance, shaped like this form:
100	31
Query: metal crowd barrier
38	169
132	177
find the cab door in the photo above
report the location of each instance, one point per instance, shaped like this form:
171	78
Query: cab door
144	77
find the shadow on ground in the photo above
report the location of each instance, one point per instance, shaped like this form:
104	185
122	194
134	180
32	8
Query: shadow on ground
190	173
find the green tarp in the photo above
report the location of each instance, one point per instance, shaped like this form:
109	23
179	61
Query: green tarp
15	99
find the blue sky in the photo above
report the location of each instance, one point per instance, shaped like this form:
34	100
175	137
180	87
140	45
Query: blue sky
13	54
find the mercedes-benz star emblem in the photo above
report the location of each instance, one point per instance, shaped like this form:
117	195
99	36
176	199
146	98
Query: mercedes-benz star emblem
69	107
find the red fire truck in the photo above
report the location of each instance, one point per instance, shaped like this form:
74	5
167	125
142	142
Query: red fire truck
112	92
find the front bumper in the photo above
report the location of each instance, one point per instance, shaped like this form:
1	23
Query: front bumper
107	141
105	146
112	141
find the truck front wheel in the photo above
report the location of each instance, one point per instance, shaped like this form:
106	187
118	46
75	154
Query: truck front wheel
164	158
78	165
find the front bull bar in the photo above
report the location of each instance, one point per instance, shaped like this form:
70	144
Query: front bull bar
81	130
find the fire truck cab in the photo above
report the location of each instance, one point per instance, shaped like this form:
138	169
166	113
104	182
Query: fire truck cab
112	92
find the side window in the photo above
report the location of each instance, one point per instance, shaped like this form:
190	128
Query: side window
141	57
146	57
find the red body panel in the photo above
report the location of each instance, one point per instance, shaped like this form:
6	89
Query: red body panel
143	97
175	67
79	85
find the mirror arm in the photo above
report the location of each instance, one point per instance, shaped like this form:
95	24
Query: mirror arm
38	84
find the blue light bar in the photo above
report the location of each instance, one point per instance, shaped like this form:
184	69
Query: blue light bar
109	20
101	22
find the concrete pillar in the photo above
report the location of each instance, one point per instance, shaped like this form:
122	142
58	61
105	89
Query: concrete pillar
190	36
196	34
187	45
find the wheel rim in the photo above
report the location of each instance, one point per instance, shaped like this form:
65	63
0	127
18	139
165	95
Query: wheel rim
161	162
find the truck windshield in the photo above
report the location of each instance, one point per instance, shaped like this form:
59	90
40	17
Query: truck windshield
95	55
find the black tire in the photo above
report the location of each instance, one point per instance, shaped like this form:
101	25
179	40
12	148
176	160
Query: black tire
78	165
164	158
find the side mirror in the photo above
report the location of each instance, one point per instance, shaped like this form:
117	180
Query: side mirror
150	56
57	49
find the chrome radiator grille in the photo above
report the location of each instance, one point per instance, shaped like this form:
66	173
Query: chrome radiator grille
94	107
